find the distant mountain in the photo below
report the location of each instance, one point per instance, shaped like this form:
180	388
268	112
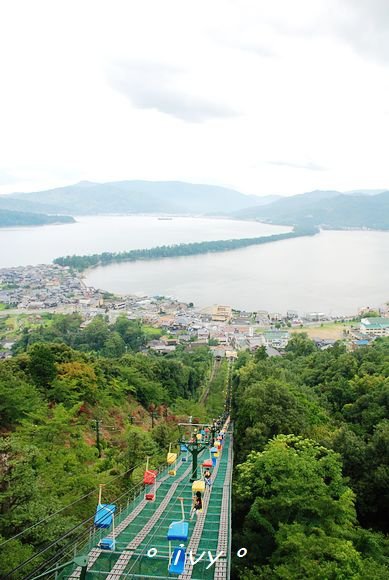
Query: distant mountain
361	208
365	191
173	197
19	218
325	208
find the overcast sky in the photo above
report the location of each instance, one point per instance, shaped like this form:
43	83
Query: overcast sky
266	96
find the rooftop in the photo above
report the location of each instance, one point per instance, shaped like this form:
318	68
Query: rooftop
375	322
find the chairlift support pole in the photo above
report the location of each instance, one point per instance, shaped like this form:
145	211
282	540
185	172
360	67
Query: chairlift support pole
194	448
97	429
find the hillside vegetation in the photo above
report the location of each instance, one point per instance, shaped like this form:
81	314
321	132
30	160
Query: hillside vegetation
311	444
329	209
312	462
10	218
61	381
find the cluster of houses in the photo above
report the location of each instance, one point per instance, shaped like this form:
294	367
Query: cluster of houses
226	331
43	287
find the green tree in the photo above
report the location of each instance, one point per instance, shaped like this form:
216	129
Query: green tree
292	480
42	365
95	334
114	346
270	407
17	397
260	354
139	446
130	331
163	436
300	344
312	554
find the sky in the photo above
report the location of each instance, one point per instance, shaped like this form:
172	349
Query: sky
264	96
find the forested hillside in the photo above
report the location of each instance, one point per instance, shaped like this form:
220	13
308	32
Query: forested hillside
22	218
312	462
329	209
82	405
64	386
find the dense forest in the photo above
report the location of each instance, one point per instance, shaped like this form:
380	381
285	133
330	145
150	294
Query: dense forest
77	407
82	405
82	262
312	462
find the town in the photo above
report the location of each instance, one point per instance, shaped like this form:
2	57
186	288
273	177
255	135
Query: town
31	291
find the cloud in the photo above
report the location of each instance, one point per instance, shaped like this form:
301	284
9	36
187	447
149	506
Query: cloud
7	178
257	48
153	86
364	25
311	166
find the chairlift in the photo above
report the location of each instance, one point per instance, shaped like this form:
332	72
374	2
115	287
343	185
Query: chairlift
104	518
171	460
178	531
207	466
184	450
149	478
214	455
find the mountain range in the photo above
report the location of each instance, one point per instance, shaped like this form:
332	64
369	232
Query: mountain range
329	209
173	197
332	209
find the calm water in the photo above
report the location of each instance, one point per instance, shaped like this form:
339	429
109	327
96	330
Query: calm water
334	272
38	245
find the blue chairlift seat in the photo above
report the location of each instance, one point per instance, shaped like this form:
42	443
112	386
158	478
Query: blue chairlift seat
104	515
177	563
178	531
184	449
107	544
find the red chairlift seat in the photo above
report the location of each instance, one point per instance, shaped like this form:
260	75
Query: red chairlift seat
150	476
149	496
207	463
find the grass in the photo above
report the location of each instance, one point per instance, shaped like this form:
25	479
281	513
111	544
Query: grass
330	330
216	396
151	332
11	325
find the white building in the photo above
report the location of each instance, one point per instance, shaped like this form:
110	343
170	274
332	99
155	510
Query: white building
375	326
276	338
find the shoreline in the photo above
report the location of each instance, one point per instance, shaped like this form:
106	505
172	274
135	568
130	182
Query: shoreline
84	262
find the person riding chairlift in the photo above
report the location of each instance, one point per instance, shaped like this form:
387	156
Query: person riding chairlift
207	477
197	504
